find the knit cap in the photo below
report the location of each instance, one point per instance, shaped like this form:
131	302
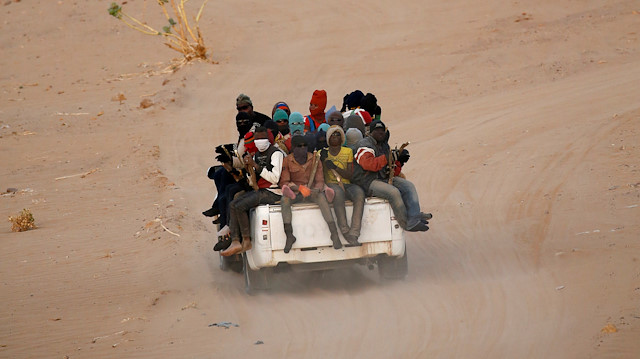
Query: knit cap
323	127
249	145
280	115
319	98
242	100
354	98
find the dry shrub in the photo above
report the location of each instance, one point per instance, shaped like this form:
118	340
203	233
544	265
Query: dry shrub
179	35
23	222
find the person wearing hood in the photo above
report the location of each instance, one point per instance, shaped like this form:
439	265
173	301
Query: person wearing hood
296	124
282	133
371	172
355	121
228	177
323	127
351	101
353	136
369	103
267	164
321	139
223	176
337	162
302	180
335	119
296	127
281	119
317	106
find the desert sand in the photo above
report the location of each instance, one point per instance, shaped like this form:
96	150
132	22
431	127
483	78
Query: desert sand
524	122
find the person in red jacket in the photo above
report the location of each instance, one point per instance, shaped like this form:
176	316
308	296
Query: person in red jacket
371	172
317	106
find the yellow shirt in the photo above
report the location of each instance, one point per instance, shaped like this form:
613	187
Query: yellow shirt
342	159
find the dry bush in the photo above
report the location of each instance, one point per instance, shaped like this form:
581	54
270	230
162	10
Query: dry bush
179	35
23	222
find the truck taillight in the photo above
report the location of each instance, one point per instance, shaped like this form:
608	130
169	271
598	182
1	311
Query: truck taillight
264	222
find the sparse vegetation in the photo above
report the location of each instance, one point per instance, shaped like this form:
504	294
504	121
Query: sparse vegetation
179	35
23	222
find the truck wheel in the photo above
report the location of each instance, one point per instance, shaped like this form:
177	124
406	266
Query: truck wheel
393	267
224	265
255	280
233	263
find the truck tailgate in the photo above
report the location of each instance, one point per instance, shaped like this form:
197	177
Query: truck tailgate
311	230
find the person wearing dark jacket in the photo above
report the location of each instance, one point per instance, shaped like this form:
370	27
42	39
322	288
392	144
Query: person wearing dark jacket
225	175
371	172
244	104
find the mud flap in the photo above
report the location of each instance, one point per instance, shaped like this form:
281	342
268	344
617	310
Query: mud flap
255	280
393	268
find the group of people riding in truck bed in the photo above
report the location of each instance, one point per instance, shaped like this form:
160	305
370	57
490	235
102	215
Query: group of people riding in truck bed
322	158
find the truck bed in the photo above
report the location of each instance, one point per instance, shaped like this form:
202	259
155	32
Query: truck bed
380	234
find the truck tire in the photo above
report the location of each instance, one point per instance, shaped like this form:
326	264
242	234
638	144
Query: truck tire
393	268
255	280
233	263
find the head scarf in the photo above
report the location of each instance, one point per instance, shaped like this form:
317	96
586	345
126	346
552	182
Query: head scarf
321	140
282	106
336	115
354	121
323	127
334	129
299	153
243	123
272	129
353	136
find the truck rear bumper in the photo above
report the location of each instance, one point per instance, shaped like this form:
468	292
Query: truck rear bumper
270	258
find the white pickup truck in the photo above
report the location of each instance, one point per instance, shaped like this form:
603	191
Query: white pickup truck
382	238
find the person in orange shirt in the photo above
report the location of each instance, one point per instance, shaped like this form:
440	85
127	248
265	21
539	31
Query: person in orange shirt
297	169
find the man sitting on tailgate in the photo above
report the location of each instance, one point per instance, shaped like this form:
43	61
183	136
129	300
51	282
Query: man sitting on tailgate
267	165
297	170
371	172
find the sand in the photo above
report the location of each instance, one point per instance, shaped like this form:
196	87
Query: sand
523	119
